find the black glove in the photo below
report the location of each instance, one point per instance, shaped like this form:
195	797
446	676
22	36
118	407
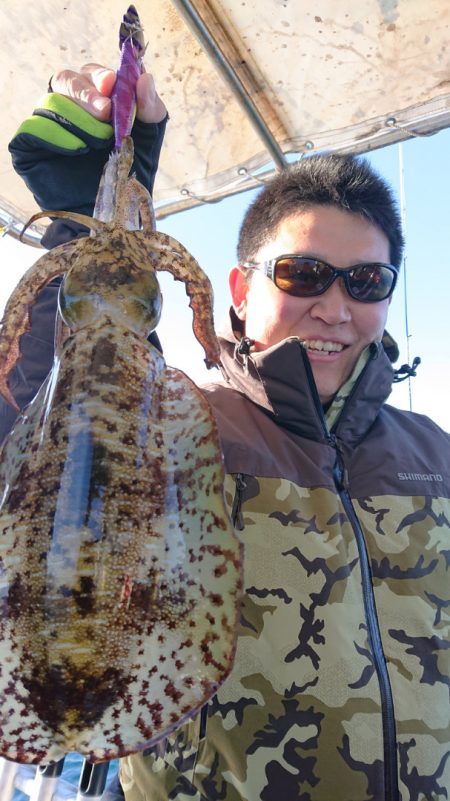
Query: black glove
60	152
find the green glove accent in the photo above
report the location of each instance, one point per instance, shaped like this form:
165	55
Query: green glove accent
65	127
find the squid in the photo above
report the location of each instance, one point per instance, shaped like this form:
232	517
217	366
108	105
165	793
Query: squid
120	572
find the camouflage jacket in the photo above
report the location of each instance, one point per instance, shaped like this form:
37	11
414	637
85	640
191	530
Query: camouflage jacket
340	687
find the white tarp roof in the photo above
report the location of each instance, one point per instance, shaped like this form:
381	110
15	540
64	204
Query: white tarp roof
265	79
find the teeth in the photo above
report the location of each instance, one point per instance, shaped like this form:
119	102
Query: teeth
317	344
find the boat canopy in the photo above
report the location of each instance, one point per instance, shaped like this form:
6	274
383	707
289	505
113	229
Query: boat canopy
251	85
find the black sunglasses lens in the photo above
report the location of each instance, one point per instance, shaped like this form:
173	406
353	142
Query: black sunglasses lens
302	277
371	282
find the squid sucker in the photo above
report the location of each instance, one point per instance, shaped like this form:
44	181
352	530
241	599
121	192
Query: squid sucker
120	572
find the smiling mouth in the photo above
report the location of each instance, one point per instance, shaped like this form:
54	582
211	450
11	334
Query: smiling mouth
319	346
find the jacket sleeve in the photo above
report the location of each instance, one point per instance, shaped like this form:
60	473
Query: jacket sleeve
36	348
60	152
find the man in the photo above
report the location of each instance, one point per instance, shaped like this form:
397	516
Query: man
339	690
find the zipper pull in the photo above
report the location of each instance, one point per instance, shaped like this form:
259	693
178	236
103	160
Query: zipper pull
340	473
237	517
340	476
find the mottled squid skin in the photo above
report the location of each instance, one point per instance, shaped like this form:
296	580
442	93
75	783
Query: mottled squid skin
120	572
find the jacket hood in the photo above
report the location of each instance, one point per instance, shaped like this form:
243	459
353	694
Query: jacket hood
280	380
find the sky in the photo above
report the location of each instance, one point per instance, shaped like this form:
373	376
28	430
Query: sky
419	317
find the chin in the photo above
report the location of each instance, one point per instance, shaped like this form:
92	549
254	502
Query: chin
328	385
327	392
326	398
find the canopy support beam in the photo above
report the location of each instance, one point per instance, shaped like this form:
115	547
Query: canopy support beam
223	52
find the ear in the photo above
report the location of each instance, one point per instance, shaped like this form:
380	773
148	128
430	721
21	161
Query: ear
239	289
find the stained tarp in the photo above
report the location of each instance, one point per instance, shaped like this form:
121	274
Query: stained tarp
250	84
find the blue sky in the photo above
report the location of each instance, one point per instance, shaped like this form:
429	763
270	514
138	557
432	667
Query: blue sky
210	234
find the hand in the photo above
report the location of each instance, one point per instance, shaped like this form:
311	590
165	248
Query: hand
91	88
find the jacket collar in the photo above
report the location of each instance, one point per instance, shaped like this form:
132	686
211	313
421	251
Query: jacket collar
280	380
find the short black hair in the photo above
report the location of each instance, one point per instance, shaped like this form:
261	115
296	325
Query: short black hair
346	182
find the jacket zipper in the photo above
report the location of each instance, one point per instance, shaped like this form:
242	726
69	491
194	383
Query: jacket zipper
237	517
373	628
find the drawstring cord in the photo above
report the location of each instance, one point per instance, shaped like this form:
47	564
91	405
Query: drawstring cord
406	371
243	350
244	346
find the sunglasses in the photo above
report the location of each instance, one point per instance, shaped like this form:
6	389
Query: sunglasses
306	277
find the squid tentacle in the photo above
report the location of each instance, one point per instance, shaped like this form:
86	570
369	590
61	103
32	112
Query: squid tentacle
140	201
89	222
176	260
16	317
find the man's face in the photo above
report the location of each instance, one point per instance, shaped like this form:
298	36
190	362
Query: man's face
333	319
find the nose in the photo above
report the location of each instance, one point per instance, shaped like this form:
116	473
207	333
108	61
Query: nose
334	306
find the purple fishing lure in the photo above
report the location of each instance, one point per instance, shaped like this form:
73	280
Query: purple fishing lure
123	98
